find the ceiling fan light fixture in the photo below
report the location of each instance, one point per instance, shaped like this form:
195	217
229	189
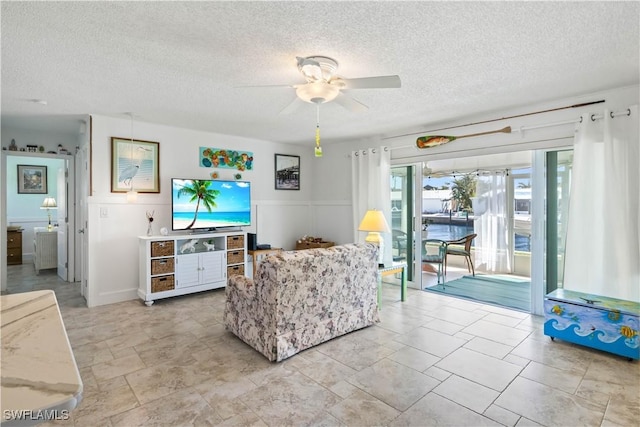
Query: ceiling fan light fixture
318	92
317	68
311	70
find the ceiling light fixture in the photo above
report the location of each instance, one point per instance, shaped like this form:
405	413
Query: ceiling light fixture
324	85
317	68
317	92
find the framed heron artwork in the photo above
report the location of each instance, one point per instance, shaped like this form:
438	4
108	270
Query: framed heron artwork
135	166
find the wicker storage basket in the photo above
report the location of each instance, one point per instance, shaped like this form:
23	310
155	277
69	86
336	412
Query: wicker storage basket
162	248
162	283
235	242
313	245
235	270
162	266
235	257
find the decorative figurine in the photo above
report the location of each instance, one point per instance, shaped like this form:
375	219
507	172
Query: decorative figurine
150	219
189	246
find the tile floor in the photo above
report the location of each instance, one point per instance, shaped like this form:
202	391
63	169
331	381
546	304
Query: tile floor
432	360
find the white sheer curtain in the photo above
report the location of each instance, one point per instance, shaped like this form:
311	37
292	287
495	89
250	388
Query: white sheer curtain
371	189
492	248
602	255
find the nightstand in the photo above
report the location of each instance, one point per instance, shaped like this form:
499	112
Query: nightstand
14	247
45	248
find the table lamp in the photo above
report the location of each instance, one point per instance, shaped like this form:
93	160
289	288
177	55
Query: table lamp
375	223
48	204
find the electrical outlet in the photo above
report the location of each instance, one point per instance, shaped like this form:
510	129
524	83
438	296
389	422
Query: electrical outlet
104	213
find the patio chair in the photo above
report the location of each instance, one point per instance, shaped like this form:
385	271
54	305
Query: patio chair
399	244
434	251
461	247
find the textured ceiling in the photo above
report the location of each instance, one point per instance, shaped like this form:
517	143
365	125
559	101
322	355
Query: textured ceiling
187	64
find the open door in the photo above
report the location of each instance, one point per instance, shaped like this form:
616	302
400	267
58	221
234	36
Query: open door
82	173
63	225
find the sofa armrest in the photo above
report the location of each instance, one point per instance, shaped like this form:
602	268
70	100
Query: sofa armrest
243	285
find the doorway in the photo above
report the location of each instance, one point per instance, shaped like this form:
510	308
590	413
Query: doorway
26	210
481	208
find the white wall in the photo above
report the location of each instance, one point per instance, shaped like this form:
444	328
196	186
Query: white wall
279	217
331	198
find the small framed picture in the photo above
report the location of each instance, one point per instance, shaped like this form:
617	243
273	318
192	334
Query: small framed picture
32	179
135	166
287	172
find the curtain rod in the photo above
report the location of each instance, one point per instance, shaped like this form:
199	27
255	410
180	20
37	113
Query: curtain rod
584	104
522	129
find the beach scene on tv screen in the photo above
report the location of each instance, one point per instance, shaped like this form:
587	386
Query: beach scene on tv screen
210	204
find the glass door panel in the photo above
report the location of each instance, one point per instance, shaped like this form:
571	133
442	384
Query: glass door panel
558	174
402	209
521	184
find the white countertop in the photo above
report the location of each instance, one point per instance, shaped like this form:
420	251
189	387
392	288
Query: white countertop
38	369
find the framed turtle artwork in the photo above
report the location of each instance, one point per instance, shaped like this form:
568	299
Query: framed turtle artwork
135	166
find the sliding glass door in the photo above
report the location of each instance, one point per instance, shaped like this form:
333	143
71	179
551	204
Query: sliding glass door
520	195
536	185
558	177
402	216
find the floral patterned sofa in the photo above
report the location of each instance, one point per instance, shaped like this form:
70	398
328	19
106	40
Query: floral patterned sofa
303	298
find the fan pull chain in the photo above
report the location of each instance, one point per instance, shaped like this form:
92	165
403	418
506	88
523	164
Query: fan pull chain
318	149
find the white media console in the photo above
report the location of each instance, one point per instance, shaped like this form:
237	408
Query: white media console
183	264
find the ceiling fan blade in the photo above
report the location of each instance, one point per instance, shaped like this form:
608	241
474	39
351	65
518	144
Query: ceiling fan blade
293	106
379	82
350	103
250	86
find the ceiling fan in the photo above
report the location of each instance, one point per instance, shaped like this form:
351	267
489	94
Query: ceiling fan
323	84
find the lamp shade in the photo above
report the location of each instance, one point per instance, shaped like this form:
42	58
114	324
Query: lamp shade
374	221
49	203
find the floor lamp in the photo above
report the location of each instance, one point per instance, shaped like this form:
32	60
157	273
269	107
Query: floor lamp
48	204
375	223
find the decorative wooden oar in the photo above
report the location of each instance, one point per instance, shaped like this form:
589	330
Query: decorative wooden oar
430	141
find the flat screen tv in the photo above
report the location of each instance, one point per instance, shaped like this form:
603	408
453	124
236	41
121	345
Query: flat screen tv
205	204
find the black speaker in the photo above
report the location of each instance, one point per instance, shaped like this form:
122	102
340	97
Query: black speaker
252	241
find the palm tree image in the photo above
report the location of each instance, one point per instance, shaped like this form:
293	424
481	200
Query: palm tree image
200	191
